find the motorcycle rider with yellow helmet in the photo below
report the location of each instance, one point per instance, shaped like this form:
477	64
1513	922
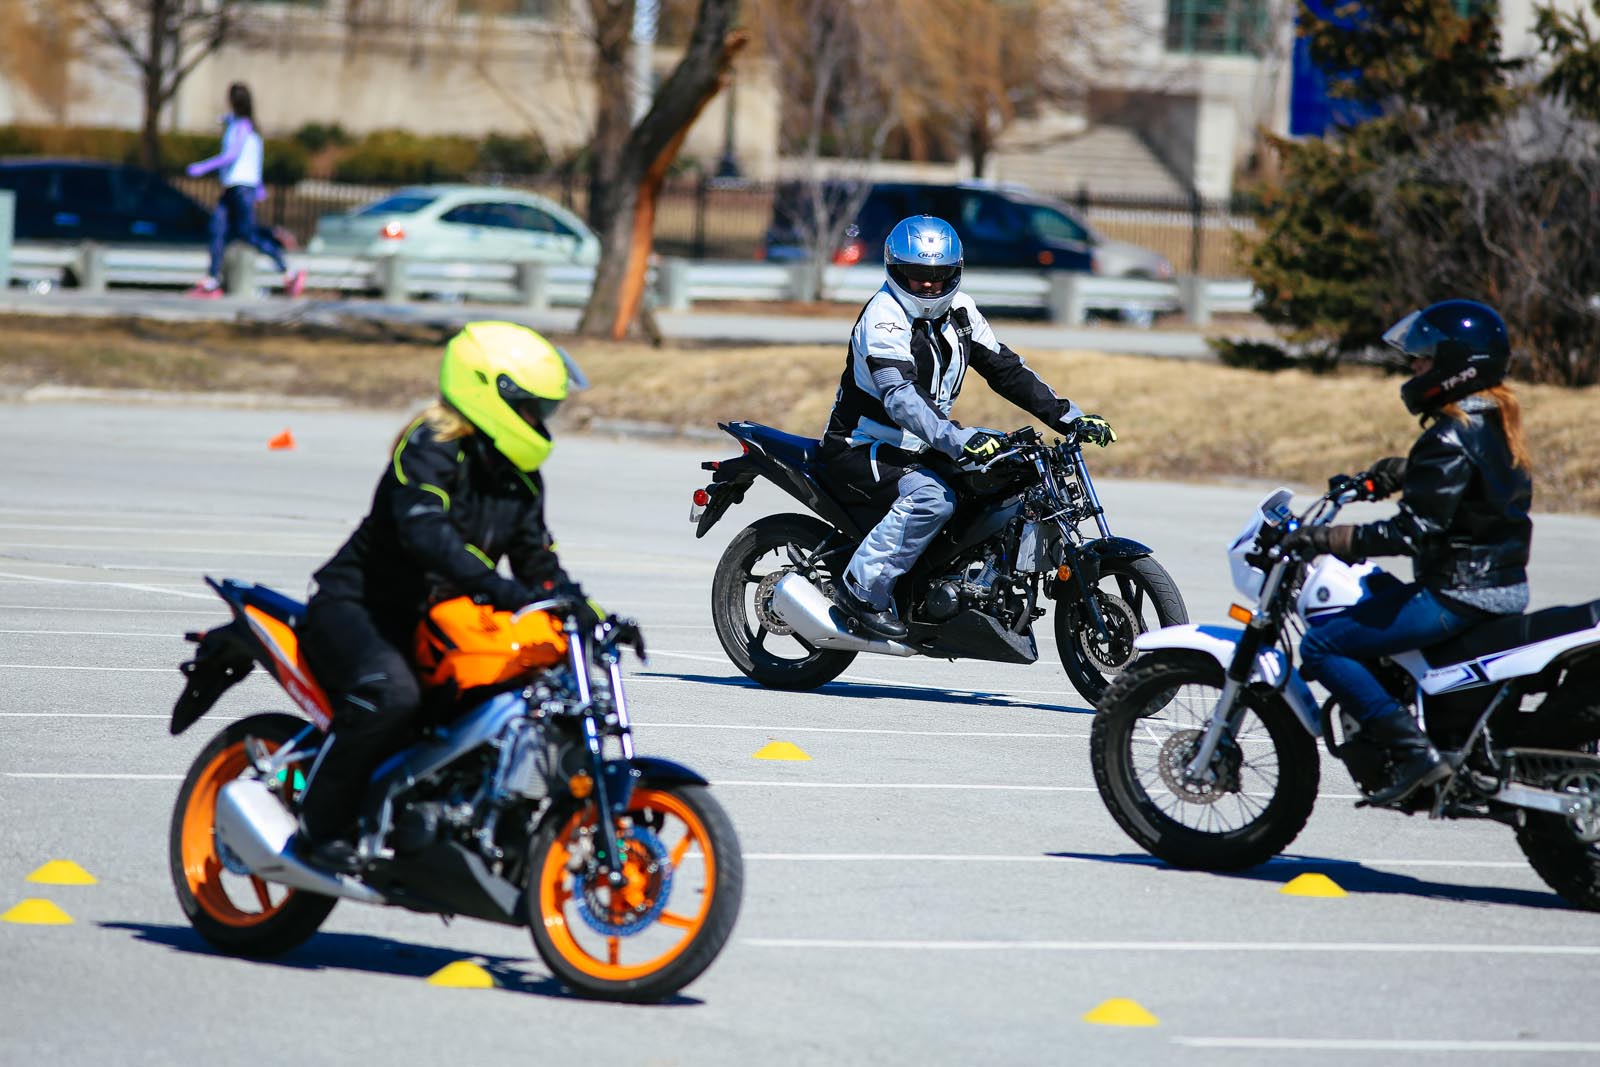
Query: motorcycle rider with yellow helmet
460	492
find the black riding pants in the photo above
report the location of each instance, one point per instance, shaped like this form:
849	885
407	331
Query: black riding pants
375	700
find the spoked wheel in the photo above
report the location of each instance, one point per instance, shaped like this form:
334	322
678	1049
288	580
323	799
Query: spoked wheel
1149	728
758	642
227	905
1134	595
654	933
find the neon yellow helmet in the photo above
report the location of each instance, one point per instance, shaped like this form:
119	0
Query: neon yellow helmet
507	380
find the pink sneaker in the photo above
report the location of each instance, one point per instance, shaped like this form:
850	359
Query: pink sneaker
294	284
206	290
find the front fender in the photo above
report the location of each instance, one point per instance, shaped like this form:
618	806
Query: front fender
1118	548
1220	643
665	772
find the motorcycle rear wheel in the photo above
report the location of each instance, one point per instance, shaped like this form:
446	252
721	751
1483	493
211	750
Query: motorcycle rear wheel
1149	721
1569	866
744	626
236	913
647	939
1134	595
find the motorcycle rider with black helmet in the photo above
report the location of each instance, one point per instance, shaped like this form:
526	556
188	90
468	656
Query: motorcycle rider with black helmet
890	430
461	490
1465	492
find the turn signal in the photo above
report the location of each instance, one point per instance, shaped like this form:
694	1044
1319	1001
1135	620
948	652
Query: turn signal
1240	613
393	232
581	785
1063	573
701	498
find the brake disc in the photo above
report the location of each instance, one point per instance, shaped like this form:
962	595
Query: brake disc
1115	655
764	614
1173	762
619	911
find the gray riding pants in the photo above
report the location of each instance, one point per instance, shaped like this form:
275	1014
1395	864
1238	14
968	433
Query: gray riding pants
898	541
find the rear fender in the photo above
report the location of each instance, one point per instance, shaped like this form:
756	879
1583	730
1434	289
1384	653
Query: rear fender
796	481
221	662
1272	667
730	479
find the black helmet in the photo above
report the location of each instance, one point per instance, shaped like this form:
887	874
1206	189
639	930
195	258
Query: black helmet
1468	345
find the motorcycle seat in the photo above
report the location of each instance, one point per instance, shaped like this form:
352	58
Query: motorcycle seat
787	448
1513	631
285	609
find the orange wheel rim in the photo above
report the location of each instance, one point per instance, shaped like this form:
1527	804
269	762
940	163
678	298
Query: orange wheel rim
601	956
207	878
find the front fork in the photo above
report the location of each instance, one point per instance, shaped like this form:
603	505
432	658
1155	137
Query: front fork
1230	709
609	778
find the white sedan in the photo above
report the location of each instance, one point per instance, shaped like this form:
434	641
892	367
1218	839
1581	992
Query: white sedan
460	222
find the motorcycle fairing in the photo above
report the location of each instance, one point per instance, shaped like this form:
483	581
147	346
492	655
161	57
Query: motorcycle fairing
1219	642
786	460
1495	667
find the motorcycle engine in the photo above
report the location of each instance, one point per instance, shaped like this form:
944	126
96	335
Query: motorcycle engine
982	588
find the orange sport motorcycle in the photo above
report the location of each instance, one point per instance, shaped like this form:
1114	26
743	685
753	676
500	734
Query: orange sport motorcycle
521	802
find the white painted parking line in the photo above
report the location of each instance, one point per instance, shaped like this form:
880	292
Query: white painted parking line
69	608
9	576
1140	861
95	633
699	657
1323	1044
79	667
969	786
795	728
183	549
1397	948
96	777
164	532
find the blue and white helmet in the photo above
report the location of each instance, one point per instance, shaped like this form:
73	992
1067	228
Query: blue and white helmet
923	259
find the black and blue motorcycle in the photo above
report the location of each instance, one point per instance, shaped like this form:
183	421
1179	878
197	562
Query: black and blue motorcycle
1015	545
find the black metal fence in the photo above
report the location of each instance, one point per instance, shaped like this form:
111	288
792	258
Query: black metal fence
706	218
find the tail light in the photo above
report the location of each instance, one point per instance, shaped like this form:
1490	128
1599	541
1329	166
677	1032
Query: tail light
850	254
392	231
701	498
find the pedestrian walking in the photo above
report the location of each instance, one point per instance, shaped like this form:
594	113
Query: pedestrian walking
234	219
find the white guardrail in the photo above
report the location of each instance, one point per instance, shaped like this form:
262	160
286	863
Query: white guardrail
677	284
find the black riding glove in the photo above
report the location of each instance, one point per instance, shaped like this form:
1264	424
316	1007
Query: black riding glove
1324	541
1385	476
1094	429
982	446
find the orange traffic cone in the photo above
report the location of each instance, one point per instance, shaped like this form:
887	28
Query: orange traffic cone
283	441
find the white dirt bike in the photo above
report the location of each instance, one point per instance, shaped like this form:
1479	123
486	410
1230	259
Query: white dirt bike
1204	750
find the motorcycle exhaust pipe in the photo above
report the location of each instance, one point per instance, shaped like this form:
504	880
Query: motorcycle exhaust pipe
254	826
803	607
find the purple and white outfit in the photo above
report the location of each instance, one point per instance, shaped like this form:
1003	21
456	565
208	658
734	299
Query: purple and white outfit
234	218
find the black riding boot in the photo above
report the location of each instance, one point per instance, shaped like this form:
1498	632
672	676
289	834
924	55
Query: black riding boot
1416	762
877	623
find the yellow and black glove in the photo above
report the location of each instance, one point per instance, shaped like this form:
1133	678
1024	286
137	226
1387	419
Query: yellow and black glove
982	446
1094	429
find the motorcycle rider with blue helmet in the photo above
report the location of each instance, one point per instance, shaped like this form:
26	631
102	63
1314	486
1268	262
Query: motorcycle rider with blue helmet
1464	491
890	431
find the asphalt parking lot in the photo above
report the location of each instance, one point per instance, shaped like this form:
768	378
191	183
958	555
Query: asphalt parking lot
938	883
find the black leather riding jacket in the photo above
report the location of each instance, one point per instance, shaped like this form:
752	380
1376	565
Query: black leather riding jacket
443	515
1463	506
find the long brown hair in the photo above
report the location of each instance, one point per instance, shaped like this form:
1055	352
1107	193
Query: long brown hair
446	422
1505	399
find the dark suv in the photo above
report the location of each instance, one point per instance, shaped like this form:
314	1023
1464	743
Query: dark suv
998	228
72	200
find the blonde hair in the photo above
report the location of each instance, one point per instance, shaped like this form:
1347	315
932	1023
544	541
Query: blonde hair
1505	398
443	421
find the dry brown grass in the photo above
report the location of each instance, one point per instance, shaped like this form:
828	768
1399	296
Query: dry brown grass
1177	420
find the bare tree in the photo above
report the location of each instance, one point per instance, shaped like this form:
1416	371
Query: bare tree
1509	215
622	206
38	42
834	63
164	40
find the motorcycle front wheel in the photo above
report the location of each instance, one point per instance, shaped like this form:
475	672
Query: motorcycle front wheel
759	643
1149	727
1133	595
649	936
232	909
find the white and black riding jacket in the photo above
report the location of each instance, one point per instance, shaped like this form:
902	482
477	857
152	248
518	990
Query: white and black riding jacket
903	376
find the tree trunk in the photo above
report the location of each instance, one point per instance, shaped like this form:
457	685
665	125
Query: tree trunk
153	68
627	206
613	26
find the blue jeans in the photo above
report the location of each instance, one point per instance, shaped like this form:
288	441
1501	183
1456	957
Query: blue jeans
235	220
1402	618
